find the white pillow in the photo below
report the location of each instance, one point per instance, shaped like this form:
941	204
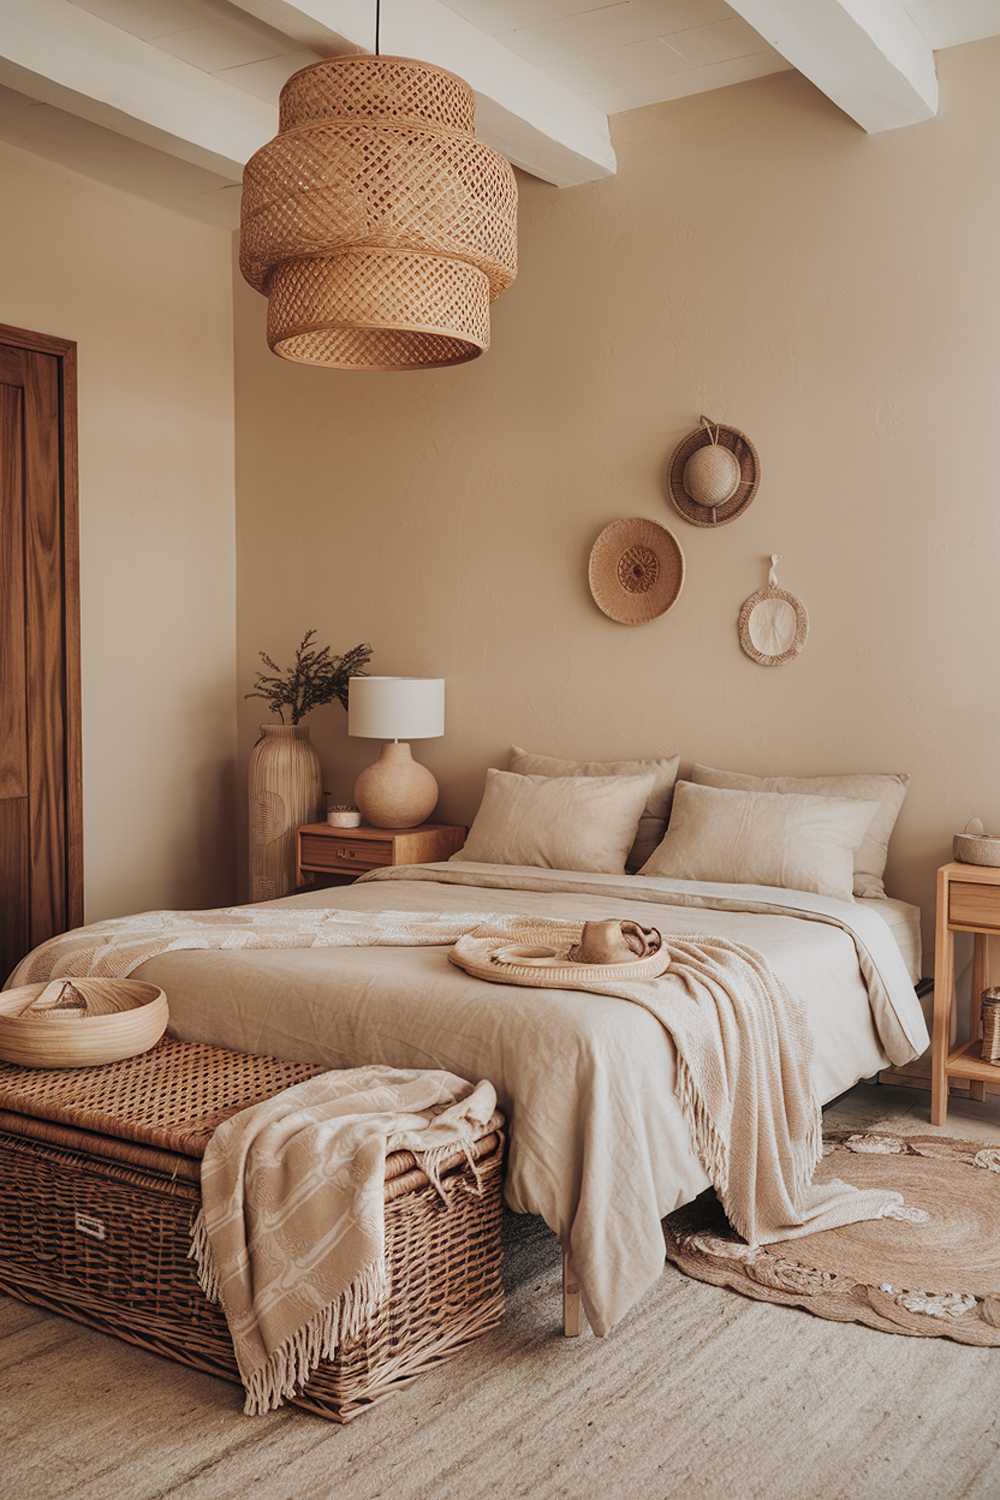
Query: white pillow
886	790
762	838
652	824
559	822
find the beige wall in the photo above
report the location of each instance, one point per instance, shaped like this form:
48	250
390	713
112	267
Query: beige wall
757	258
147	295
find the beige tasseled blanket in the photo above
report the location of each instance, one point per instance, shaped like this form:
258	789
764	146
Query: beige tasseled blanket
291	1235
742	1041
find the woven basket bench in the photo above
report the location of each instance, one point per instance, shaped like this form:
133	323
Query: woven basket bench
99	1185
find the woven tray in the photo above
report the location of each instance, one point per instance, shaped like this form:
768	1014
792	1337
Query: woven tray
98	1193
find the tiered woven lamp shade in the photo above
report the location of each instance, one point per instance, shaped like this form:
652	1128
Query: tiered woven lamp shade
376	224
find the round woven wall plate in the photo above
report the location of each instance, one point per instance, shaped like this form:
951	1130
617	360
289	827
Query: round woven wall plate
930	1270
636	570
746	456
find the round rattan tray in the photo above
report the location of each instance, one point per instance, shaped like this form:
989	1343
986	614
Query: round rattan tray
80	1023
506	963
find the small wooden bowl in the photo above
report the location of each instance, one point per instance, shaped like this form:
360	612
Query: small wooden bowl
117	1018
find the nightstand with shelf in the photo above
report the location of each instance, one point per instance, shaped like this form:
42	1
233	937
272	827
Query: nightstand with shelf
321	850
968	900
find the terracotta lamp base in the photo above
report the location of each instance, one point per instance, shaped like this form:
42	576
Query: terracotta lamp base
396	791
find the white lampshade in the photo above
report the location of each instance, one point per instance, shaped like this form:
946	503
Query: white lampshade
396	708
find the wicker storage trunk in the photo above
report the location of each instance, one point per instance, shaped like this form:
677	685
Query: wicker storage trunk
99	1185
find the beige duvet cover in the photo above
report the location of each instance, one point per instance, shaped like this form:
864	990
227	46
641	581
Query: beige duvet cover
599	1147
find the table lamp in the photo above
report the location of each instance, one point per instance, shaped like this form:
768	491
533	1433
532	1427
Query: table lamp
396	791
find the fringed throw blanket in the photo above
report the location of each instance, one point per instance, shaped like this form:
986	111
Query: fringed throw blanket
291	1234
115	949
742	1041
743	1079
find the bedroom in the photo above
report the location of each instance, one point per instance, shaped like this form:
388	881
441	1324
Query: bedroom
704	231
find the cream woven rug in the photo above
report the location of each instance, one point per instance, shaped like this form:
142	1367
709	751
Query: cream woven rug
933	1271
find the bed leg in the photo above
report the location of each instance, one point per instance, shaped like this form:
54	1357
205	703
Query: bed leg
572	1308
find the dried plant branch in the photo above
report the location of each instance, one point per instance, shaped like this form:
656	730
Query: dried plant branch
316	677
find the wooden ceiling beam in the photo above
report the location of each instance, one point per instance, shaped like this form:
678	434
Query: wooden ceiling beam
62	55
867	56
536	122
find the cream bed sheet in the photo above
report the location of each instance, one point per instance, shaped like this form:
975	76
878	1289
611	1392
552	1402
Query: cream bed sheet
903	921
599	1147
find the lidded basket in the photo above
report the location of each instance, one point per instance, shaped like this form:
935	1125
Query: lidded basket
377	225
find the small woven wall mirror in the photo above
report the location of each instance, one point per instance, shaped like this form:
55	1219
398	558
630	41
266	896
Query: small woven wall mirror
636	570
773	624
714	474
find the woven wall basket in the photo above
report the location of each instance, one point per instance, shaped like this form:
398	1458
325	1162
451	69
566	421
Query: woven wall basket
376	224
636	570
699	509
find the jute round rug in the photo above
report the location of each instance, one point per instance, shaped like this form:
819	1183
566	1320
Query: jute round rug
931	1271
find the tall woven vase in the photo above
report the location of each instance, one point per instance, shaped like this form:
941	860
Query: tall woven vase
286	790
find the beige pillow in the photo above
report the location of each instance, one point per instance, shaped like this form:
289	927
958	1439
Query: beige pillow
887	790
652	824
762	838
560	822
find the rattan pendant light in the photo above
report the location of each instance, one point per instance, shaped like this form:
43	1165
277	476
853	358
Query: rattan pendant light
377	226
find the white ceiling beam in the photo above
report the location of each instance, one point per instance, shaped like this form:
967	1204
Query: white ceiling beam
537	123
64	56
868	56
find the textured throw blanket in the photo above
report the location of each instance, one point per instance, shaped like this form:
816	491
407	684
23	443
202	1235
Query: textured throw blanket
291	1235
743	1079
116	948
742	1041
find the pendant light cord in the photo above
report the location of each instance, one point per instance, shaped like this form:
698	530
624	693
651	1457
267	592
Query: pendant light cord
378	25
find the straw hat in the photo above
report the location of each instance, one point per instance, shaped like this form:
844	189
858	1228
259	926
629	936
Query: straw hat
636	570
714	474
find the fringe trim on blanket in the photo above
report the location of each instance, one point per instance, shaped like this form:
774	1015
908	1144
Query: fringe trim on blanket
289	1368
201	1253
713	1150
433	1160
808	1154
711	1147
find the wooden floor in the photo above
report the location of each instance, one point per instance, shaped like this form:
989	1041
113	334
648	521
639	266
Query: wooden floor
699	1393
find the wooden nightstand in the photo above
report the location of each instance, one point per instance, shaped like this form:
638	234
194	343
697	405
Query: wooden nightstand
322	850
968	900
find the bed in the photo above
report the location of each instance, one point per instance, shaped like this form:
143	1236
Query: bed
599	1148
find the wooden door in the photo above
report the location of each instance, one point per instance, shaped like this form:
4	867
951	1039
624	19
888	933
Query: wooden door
40	814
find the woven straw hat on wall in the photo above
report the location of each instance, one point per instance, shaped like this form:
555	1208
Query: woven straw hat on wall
714	474
376	224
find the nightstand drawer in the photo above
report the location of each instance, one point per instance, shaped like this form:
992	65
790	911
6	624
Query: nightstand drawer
973	905
320	853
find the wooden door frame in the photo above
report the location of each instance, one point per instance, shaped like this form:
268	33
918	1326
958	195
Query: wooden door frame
64	350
